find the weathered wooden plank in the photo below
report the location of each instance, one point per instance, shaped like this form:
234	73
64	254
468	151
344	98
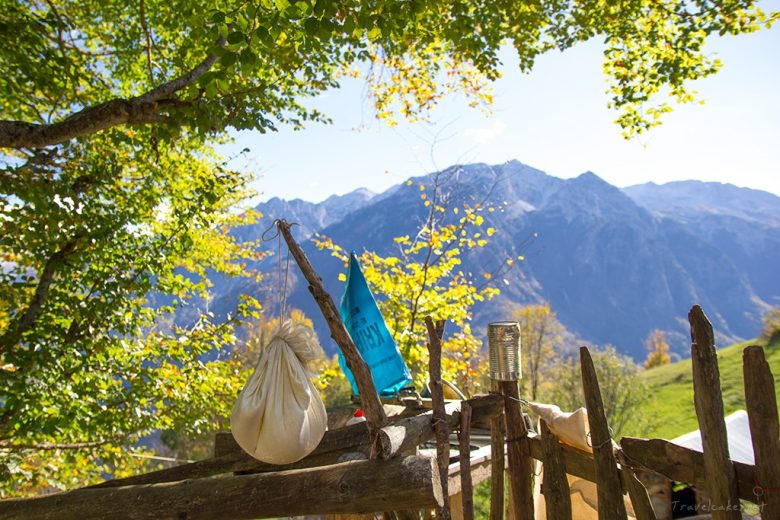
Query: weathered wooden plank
497	463
609	487
640	500
435	333
721	481
408	433
555	485
761	405
369	398
518	450
353	437
334	444
466	491
351	487
683	464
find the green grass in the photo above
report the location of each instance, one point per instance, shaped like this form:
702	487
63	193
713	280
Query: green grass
671	389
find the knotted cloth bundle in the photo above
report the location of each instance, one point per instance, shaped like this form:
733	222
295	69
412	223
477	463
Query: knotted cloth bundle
279	417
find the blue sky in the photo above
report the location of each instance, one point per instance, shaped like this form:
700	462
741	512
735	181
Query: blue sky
554	119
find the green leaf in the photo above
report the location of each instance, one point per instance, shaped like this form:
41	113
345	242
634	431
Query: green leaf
229	59
248	57
312	26
236	37
262	34
374	34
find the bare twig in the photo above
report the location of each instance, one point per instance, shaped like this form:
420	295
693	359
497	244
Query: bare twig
148	35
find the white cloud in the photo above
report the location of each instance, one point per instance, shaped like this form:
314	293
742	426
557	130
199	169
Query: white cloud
485	134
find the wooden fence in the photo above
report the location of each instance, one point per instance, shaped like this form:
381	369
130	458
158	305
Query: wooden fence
375	467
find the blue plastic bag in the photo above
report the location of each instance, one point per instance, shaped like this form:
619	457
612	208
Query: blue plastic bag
367	327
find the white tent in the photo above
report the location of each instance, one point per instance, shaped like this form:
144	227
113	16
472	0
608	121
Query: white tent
738	433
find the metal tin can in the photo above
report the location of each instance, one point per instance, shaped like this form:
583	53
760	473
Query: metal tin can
504	350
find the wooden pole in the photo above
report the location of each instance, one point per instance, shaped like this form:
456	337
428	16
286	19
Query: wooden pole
480	469
350	487
555	486
435	333
643	509
609	487
369	399
496	463
466	490
761	405
518	451
721	480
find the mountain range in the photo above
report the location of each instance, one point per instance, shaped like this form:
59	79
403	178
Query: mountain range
613	263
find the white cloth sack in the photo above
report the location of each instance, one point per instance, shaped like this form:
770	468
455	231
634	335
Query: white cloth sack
279	417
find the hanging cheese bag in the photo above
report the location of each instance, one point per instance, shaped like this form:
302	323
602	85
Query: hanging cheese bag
279	417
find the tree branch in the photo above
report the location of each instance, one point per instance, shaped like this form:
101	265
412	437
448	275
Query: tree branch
30	316
48	446
142	109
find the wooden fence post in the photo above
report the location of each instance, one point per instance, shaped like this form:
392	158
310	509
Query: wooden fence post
721	479
466	488
761	405
609	487
643	508
369	398
435	333
555	486
519	454
497	429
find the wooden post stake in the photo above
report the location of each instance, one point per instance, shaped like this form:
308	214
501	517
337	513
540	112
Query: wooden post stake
369	399
466	490
496	463
518	450
435	333
609	487
555	486
721	480
643	508
764	429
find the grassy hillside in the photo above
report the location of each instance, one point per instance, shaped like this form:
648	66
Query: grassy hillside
671	387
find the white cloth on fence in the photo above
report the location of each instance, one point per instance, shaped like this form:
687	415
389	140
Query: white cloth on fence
279	417
571	428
